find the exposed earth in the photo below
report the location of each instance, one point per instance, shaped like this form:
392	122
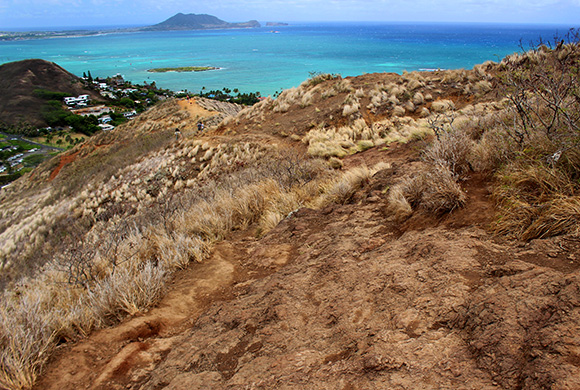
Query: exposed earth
345	298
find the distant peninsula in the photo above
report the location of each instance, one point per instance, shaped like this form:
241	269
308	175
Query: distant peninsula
183	69
176	22
197	22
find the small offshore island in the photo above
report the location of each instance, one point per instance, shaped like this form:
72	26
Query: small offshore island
183	69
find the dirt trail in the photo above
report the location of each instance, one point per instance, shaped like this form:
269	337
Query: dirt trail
110	353
341	299
194	109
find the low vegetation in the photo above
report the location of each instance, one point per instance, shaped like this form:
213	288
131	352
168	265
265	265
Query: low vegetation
183	69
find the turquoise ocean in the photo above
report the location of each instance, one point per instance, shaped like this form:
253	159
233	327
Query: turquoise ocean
270	59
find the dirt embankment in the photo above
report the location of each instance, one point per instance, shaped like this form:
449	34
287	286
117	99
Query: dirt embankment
341	298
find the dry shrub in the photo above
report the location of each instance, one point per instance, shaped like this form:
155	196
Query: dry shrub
279	206
350	109
335	163
365	145
424	113
332	142
492	151
281	106
454	76
418	99
319	78
482	86
398	111
415	84
326	150
342	86
434	190
307	99
452	150
360	93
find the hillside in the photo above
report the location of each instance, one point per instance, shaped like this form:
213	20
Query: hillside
381	231
197	22
19	104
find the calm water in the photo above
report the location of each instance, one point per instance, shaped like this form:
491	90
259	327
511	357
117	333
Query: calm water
266	61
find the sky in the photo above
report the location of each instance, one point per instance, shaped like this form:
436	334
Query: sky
18	14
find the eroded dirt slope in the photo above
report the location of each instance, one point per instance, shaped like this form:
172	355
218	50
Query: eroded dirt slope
344	298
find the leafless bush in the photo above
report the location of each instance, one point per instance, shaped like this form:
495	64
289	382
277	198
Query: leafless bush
545	99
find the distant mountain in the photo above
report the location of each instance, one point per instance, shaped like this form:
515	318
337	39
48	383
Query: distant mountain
19	103
197	22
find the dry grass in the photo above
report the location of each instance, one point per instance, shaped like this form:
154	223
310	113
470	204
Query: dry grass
433	190
27	334
535	201
399	207
452	150
442	106
561	217
341	189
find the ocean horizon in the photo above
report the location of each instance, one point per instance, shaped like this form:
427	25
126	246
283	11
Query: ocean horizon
272	58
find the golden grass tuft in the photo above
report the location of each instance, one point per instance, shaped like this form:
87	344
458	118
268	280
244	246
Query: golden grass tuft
342	189
434	190
442	106
560	216
398	207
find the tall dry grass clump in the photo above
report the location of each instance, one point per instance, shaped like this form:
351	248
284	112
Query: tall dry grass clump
451	150
433	190
27	337
342	188
536	201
